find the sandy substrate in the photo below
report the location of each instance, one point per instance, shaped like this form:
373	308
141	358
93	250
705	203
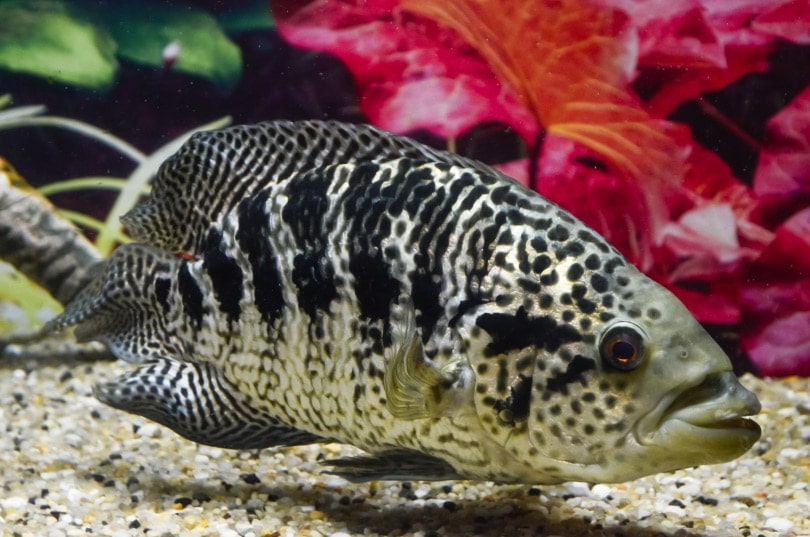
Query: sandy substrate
71	466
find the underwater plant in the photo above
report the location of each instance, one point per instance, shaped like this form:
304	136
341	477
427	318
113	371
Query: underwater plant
45	226
599	93
82	42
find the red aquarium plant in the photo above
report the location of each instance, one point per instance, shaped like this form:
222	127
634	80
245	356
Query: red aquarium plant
590	86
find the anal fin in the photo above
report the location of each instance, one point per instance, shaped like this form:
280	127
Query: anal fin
195	401
398	464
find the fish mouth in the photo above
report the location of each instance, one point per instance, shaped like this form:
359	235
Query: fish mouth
709	418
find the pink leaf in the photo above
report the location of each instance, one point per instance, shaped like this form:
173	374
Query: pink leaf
733	20
681	84
673	33
687	47
776	302
615	206
411	73
718	305
782	177
783	347
790	21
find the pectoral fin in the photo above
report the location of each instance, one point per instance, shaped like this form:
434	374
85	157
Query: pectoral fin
416	388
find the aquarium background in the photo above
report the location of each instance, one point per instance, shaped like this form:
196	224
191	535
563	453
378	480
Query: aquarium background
679	129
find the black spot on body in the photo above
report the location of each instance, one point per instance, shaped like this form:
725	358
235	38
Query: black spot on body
512	332
550	279
573	248
498	194
586	306
599	283
542	223
541	263
592	262
515	217
573	373
558	233
530	286
463	181
518	403
575	272
611	265
226	276
191	295
539	244
305	214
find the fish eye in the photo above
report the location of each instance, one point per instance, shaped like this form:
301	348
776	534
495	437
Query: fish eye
622	346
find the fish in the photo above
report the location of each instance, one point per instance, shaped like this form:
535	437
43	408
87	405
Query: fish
305	282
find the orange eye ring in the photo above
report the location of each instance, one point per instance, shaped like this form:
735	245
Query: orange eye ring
622	347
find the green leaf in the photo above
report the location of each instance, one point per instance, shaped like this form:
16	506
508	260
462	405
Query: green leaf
45	39
143	30
23	304
243	17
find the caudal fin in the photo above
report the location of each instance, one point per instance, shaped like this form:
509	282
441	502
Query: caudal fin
127	305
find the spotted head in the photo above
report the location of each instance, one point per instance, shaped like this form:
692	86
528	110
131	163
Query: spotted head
589	370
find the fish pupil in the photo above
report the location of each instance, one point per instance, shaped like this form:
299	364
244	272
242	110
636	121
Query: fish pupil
624	351
622	347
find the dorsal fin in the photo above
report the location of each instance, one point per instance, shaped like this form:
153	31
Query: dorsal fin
214	170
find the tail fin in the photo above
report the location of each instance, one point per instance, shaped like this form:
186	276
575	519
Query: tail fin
127	305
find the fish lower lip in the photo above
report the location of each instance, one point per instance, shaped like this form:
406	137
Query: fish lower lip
718	402
707	419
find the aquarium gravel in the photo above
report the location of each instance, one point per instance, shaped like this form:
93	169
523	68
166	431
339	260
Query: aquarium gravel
72	466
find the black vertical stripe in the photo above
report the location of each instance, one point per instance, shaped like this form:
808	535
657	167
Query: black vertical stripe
226	276
191	294
254	239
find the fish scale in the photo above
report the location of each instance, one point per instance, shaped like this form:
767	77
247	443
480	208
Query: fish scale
350	285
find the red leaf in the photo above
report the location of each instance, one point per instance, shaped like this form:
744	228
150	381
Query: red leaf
782	178
790	21
719	304
410	73
783	347
612	204
682	84
733	20
570	62
776	302
673	33
688	47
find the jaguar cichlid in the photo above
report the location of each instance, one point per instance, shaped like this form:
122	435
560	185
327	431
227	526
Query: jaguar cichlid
298	282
